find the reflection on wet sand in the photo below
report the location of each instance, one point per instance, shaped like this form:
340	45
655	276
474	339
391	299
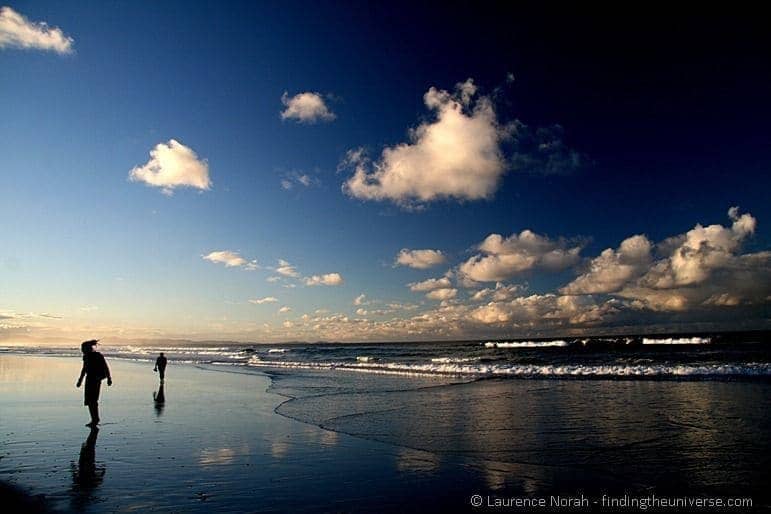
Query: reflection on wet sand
417	461
279	448
159	398
87	476
222	456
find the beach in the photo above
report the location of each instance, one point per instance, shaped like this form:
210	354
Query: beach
215	445
231	439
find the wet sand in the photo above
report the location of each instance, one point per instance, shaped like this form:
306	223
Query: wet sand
215	444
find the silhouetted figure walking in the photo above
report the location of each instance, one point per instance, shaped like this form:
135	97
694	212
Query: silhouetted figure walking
95	370
160	400
160	366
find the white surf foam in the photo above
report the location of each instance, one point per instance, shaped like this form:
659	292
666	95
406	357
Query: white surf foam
535	371
453	360
677	340
527	344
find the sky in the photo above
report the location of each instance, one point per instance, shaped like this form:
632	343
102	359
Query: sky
339	171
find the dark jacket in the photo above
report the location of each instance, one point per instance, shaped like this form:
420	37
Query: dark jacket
95	366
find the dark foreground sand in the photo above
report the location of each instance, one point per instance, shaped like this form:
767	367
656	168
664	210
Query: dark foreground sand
214	445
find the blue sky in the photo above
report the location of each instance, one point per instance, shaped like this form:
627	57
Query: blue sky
585	134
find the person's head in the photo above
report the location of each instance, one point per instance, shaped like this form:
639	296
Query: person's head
161	354
88	346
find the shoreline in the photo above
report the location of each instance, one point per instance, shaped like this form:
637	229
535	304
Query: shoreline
218	444
307	441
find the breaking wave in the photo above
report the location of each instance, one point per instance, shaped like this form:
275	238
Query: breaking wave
527	344
531	371
677	340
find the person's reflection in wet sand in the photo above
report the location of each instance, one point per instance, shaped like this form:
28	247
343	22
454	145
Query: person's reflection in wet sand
160	400
86	476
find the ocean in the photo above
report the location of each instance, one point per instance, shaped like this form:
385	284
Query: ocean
713	356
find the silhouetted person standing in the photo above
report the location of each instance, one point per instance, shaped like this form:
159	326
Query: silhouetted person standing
160	366
95	370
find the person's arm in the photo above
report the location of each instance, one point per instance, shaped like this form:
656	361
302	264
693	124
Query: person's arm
82	374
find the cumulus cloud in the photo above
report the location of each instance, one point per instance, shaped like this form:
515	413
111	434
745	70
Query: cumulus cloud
430	284
500	293
360	300
502	258
261	301
443	294
420	259
328	279
230	259
701	268
703	249
284	309
550	307
456	156
18	32
286	269
610	271
173	165
305	107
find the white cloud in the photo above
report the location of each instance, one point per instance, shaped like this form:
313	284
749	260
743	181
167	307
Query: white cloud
442	294
294	179
500	293
360	300
18	32
273	279
430	284
327	279
286	269
610	271
361	312
503	258
173	165
420	259
546	308
261	301
305	107
702	250
700	268
456	156
230	259
284	309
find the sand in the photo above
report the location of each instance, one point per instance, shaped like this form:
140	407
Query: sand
216	444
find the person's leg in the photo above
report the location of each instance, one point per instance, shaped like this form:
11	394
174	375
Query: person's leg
162	373
92	400
93	409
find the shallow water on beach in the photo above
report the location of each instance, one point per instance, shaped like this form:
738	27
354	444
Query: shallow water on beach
696	438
